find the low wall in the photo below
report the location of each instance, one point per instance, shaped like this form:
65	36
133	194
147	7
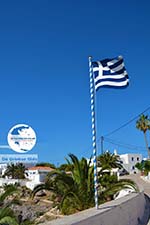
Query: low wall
128	210
4	181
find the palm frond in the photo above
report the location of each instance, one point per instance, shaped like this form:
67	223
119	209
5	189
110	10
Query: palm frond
10	191
39	188
8	220
6	211
116	187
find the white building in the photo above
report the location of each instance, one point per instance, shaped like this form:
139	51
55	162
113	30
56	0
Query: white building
129	161
36	175
3	167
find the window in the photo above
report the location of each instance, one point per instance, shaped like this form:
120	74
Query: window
133	167
132	159
137	158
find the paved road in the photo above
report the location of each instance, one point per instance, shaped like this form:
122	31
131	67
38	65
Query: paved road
143	186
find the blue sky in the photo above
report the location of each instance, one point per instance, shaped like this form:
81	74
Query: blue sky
44	49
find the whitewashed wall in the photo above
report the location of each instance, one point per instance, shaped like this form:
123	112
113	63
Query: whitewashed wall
128	210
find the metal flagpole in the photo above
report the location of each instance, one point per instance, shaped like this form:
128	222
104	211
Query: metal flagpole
92	94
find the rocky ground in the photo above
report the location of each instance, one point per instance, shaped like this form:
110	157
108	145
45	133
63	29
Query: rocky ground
38	210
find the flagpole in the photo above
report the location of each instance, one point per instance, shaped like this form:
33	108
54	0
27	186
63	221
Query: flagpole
92	96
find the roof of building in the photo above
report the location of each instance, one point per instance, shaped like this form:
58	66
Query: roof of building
40	168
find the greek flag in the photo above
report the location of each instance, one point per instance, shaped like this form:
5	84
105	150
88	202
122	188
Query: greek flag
110	73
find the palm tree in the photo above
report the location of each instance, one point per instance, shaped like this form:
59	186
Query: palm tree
10	171
9	190
7	216
108	161
75	189
143	124
15	171
20	171
109	184
107	192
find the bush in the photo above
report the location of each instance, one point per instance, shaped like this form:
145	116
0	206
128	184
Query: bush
68	207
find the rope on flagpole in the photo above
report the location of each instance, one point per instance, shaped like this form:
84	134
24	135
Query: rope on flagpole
92	95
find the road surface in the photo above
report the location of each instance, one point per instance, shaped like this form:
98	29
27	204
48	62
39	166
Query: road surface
143	186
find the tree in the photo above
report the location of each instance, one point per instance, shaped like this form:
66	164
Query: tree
143	166
140	166
108	161
20	171
46	164
107	192
143	125
15	171
9	190
109	184
65	167
146	167
74	190
7	216
11	171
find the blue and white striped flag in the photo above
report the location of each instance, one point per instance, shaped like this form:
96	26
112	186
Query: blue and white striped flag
110	73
